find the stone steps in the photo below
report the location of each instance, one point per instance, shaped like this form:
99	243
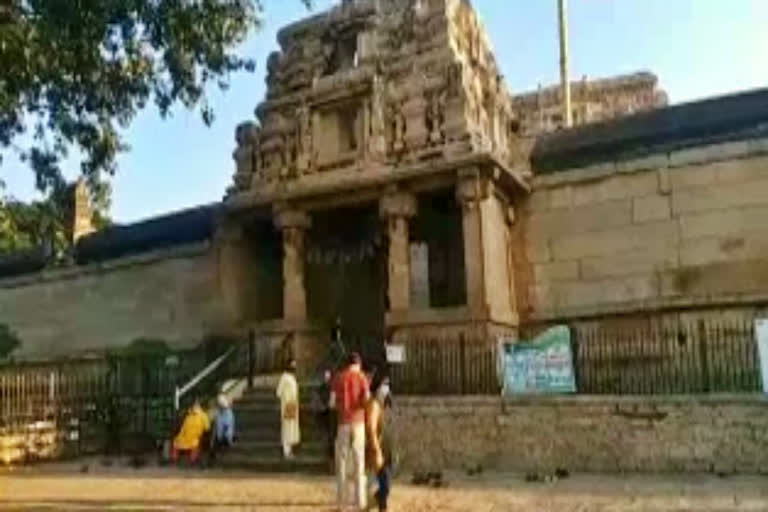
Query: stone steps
258	447
273	463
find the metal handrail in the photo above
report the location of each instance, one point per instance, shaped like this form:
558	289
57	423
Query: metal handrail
202	374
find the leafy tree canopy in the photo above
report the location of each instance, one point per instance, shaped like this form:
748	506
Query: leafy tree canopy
74	73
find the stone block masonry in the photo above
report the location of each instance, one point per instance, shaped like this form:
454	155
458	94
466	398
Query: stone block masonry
584	433
169	295
634	237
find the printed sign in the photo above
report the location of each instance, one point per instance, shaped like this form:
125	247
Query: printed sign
395	353
761	329
543	365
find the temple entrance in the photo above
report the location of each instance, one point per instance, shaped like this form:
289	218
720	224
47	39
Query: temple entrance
346	277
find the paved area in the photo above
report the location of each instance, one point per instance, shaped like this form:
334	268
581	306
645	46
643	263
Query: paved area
66	488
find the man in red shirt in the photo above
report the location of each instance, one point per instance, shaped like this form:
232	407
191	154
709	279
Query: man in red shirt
350	392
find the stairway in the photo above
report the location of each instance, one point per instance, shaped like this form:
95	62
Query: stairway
258	448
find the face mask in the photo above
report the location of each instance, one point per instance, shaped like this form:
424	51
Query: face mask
383	392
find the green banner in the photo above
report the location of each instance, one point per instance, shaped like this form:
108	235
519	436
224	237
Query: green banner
543	365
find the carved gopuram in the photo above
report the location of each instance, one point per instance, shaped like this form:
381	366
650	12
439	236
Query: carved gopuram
377	186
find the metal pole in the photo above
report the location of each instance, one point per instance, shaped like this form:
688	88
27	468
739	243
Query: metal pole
562	8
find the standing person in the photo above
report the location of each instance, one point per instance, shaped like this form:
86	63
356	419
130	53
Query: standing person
338	350
288	393
336	331
326	416
349	396
380	450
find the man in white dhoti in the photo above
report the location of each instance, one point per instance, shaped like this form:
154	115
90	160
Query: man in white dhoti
288	393
349	396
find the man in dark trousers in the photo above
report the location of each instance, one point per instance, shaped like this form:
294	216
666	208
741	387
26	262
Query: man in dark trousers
379	456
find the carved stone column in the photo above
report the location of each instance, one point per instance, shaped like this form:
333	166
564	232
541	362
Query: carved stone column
293	224
471	191
397	209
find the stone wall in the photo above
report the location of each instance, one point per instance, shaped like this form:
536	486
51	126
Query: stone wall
171	295
684	227
589	434
592	101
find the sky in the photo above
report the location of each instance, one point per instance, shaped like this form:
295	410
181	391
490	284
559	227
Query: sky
698	48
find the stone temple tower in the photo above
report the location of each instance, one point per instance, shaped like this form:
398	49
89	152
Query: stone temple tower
81	221
391	106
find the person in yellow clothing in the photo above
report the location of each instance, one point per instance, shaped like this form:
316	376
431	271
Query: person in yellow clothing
196	424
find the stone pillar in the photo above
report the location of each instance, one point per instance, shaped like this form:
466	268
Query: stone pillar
397	209
293	224
472	190
232	262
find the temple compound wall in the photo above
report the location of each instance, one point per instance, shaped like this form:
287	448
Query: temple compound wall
647	226
156	280
68	312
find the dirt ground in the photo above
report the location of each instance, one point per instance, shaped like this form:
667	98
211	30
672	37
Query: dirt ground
68	488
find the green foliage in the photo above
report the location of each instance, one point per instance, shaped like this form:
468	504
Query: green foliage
24	225
145	347
76	72
9	341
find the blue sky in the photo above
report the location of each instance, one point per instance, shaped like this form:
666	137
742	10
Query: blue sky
698	48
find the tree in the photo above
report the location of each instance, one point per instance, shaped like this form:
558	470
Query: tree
73	73
9	341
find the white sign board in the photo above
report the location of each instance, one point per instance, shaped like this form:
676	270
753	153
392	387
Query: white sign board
395	353
761	329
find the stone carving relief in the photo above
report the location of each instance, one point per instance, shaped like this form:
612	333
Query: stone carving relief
377	128
488	104
397	128
419	73
247	136
435	117
304	152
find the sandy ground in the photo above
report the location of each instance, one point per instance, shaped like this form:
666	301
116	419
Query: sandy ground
64	487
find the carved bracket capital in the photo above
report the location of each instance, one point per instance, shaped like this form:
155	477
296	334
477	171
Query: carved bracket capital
286	218
398	204
472	186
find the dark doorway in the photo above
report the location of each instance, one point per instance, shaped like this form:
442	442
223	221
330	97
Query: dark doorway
347	276
439	225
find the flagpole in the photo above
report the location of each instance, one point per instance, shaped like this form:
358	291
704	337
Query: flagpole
562	10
